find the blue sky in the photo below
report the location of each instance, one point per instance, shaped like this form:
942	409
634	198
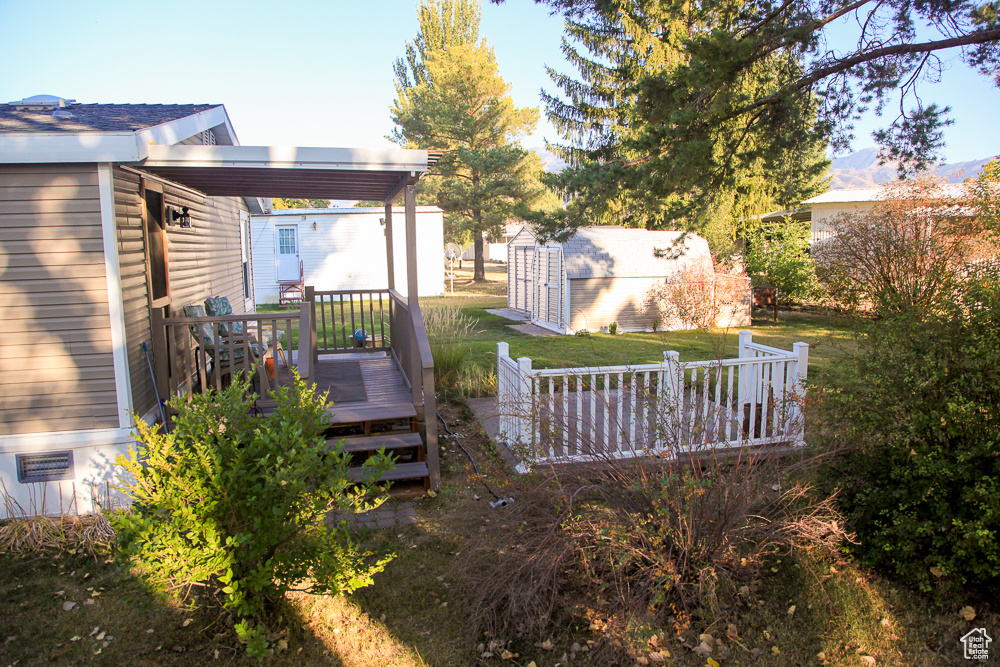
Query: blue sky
316	73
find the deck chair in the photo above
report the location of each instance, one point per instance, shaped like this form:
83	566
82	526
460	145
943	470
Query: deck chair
217	347
292	291
261	342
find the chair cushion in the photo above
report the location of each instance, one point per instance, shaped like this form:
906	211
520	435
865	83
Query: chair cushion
219	305
207	336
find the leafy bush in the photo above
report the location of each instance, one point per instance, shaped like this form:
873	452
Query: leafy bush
779	256
916	411
238	504
699	298
906	254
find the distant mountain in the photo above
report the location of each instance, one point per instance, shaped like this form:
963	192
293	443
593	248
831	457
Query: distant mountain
861	170
857	171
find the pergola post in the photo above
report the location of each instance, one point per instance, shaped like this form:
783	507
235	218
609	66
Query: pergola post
390	263
410	203
411	243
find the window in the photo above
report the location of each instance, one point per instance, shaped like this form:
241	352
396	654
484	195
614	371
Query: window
245	254
156	242
286	241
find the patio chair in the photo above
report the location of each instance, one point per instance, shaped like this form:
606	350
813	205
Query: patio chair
219	306
292	291
218	347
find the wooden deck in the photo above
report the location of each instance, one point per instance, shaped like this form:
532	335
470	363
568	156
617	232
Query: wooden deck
386	395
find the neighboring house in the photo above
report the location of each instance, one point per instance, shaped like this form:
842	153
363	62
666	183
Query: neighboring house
833	203
112	218
341	249
602	275
829	205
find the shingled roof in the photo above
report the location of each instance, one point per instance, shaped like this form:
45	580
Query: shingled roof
97	117
615	252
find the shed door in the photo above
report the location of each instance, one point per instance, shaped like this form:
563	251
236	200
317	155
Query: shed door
287	253
553	281
548	286
521	282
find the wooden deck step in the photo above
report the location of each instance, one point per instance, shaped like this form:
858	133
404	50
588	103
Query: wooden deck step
345	414
376	442
415	470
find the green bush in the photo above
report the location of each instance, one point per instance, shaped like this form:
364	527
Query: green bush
917	411
238	504
779	256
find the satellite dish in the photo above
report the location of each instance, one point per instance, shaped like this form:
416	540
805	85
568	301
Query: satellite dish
452	251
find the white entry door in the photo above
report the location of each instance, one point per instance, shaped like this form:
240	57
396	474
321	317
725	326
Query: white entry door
288	253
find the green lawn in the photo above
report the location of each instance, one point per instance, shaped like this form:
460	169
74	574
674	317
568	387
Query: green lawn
828	337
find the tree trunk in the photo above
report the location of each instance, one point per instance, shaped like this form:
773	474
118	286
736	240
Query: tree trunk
479	266
479	273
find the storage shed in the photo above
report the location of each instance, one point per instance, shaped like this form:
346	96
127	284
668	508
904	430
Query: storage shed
602	275
341	249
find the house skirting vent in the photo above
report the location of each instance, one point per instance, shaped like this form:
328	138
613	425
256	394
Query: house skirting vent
47	467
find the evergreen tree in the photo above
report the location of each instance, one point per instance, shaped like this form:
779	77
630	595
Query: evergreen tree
608	121
753	80
451	98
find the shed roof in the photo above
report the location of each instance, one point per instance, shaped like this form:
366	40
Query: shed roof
878	194
616	252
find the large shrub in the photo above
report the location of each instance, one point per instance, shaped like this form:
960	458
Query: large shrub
239	504
916	411
778	255
907	253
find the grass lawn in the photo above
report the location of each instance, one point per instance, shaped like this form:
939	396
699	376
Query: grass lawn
843	615
829	337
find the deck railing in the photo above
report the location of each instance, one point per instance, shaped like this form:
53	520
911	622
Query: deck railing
576	414
204	350
339	314
411	351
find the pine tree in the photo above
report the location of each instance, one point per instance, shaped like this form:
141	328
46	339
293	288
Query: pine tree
450	97
611	122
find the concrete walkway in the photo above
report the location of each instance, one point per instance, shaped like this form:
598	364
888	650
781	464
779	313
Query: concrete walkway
532	330
509	314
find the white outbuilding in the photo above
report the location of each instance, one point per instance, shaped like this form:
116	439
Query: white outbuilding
603	275
341	249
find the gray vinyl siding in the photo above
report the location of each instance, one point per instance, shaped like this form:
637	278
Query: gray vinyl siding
202	261
56	365
597	302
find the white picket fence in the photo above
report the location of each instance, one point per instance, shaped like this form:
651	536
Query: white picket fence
582	414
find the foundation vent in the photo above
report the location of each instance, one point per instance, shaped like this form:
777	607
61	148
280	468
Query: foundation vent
46	467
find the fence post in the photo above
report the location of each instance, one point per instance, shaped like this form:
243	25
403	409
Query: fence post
503	400
800	350
672	400
310	297
745	372
525	414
